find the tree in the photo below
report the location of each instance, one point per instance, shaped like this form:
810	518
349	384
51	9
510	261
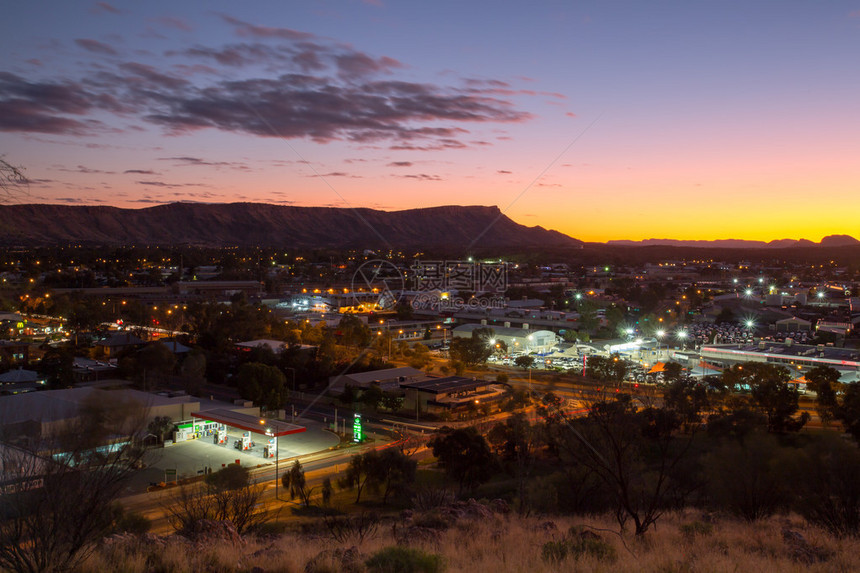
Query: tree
774	396
516	441
155	362
688	399
12	180
57	365
226	495
327	491
372	396
745	477
394	472
58	507
672	372
265	385
525	362
159	426
353	332
391	401
848	412
825	485
632	454
824	381
294	481
473	350
465	456
356	476
726	316
588	320
606	369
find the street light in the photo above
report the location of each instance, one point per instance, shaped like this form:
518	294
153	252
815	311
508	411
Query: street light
277	477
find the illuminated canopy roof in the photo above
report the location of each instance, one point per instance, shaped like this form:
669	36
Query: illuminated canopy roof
249	423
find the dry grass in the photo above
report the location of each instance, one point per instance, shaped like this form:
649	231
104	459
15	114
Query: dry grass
681	543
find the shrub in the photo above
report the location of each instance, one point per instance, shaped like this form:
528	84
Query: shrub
133	522
404	560
434	519
695	528
578	544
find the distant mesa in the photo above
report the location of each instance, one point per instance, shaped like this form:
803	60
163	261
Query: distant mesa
839	241
830	241
258	224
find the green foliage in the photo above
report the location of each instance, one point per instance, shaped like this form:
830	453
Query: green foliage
159	426
588	321
824	381
231	477
606	369
131	522
825	485
387	471
294	481
372	396
849	411
353	332
726	316
473	350
264	384
768	392
525	362
327	491
747	477
465	456
398	559
689	399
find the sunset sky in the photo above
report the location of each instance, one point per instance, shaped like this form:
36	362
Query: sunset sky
603	120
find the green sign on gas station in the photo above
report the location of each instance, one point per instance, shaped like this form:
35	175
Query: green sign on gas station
357	430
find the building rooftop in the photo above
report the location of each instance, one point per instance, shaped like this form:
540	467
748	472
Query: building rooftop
445	385
249	423
387	374
498	330
829	355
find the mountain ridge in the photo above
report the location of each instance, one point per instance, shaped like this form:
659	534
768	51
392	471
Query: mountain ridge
227	224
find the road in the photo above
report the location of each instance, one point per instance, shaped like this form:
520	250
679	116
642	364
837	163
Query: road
153	505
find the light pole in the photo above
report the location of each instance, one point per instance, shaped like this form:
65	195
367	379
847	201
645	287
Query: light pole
293	372
277	477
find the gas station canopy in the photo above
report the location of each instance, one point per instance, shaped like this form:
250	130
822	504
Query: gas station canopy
249	423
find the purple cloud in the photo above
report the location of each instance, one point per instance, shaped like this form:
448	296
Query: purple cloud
95	47
330	92
176	23
245	29
422	177
105	7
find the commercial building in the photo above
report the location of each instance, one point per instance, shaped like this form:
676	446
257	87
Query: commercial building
799	357
387	379
518	340
437	395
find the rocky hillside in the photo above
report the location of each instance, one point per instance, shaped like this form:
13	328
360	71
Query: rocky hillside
270	225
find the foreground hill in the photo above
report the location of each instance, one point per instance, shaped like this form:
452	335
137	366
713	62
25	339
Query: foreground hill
269	225
684	542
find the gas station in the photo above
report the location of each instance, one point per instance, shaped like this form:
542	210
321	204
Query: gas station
218	423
